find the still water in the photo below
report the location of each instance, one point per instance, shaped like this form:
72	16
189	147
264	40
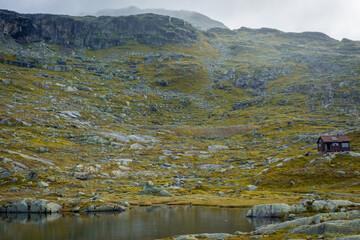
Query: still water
140	223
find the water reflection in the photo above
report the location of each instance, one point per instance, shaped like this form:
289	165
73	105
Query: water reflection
138	223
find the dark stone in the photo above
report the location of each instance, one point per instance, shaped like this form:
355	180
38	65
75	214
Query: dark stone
33	175
153	108
94	32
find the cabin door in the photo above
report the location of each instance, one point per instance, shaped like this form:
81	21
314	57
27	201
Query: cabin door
327	147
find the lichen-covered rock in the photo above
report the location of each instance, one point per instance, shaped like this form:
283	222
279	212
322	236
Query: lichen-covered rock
18	207
320	205
275	210
53	207
38	206
333	227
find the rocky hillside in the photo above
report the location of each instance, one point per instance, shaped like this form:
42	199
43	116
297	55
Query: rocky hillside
198	20
149	110
95	33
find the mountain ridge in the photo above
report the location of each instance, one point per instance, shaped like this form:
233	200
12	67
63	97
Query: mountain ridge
198	20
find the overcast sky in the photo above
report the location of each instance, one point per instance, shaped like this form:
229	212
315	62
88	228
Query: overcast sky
337	18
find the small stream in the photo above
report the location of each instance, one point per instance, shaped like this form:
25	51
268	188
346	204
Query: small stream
139	223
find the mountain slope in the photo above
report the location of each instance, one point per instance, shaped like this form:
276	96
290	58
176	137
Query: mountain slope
207	117
198	20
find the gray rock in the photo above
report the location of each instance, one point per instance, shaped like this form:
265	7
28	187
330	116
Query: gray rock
298	208
70	89
53	207
251	188
137	146
4	173
33	175
269	210
352	237
42	184
38	206
204	236
333	227
105	208
215	148
18	207
320	205
125	203
41	149
165	193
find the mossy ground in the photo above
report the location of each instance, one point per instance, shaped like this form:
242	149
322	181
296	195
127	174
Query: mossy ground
116	89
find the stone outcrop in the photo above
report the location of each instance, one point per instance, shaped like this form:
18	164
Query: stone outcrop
105	208
275	210
95	32
33	206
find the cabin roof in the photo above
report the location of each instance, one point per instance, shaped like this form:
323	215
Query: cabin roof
334	139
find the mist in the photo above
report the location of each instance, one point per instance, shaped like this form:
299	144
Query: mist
336	18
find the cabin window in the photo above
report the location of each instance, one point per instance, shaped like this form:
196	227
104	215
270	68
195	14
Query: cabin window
345	145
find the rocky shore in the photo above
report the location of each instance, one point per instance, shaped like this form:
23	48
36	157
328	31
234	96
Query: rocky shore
310	219
45	206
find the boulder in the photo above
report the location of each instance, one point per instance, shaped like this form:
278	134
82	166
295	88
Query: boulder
53	207
105	208
274	210
33	175
251	188
333	227
18	207
215	148
321	205
137	146
165	193
4	173
38	206
42	184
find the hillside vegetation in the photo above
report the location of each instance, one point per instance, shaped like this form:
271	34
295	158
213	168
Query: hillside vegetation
201	117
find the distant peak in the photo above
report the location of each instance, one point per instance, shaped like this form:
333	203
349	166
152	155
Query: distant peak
196	19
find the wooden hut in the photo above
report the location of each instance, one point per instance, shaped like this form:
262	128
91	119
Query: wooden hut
333	144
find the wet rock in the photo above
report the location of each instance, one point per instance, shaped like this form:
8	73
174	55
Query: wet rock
275	210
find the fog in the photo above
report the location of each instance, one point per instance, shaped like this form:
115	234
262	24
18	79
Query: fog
337	18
